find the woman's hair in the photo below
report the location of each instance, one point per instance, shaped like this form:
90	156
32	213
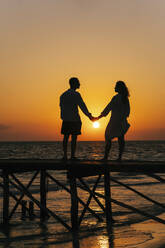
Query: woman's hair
123	90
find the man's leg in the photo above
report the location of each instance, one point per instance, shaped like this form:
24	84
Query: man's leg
73	145
121	142
107	149
65	145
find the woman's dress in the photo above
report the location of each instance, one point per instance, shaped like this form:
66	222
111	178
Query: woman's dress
118	124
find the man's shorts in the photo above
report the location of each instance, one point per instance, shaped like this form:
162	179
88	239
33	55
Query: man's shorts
71	127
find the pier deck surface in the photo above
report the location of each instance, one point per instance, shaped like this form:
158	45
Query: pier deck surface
83	167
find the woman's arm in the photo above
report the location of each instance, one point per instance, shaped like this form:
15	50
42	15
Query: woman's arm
107	109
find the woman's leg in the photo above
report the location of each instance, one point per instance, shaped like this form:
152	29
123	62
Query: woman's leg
121	142
107	149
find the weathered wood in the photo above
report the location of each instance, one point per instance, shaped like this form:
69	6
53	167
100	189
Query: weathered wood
89	198
5	197
22	195
75	239
77	169
14	197
107	192
79	199
31	210
84	167
22	188
43	190
24	212
86	188
74	203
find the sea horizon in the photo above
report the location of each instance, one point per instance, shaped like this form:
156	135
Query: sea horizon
138	140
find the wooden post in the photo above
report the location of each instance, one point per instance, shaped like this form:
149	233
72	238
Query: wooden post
5	197
24	207
43	193
107	190
74	202
18	185
31	210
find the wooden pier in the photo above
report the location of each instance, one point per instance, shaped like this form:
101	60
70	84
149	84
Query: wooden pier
76	172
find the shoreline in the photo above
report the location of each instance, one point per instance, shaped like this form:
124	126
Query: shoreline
146	234
156	230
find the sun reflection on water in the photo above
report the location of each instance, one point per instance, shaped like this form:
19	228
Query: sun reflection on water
96	124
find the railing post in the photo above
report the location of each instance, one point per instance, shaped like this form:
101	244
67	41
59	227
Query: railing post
5	197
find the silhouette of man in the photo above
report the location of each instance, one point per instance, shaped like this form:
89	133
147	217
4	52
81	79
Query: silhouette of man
70	100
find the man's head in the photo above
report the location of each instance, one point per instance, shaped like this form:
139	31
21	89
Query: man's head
74	83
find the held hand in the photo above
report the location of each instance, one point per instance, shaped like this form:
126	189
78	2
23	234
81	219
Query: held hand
96	118
99	117
93	118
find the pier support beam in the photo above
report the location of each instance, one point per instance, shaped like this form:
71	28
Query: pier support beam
43	191
5	197
107	192
74	202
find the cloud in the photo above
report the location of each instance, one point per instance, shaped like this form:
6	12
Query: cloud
4	127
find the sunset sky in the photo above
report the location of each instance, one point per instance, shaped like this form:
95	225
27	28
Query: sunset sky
45	42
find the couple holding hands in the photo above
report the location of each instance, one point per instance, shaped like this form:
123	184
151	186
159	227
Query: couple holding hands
119	106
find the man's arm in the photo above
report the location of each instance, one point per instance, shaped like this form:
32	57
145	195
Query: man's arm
83	107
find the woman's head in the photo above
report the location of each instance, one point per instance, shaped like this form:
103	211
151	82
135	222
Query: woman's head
122	89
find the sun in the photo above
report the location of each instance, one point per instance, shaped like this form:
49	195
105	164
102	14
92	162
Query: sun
96	124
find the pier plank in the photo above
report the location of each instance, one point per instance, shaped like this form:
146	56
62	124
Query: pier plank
83	167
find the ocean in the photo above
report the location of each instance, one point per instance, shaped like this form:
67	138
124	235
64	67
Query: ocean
130	229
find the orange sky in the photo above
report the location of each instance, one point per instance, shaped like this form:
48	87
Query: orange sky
44	43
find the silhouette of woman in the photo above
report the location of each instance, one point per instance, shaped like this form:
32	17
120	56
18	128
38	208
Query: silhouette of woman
118	125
